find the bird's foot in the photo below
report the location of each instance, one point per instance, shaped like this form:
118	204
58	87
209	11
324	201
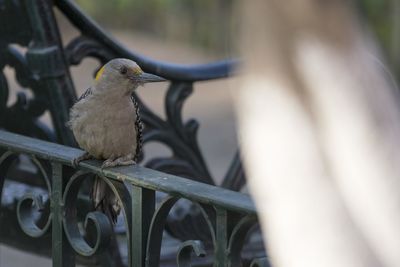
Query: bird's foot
121	161
82	157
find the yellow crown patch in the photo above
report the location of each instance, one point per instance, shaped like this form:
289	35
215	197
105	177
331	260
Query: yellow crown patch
137	71
99	73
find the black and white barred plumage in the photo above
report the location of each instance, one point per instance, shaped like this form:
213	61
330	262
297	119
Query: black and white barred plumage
139	130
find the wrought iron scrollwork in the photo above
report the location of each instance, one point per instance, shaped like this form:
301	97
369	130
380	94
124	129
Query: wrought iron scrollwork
158	224
23	115
82	47
102	225
4	91
260	262
52	90
97	236
31	207
156	231
25	213
75	227
181	137
6	159
17	60
183	257
237	239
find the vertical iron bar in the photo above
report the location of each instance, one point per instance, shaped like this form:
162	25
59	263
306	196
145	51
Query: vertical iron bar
62	254
48	64
221	238
143	206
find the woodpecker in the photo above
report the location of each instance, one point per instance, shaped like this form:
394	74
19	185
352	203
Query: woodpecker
106	124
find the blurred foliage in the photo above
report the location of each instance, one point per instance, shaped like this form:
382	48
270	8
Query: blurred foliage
383	18
211	24
204	23
375	13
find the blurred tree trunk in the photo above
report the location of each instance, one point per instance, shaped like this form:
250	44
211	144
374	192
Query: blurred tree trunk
320	128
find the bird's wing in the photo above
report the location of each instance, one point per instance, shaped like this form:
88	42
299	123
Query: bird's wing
87	93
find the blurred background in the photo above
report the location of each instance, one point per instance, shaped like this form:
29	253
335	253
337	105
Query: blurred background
201	31
195	31
203	24
211	26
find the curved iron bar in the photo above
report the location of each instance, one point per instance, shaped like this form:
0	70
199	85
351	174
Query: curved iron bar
235	177
26	110
156	230
25	214
260	262
192	221
6	159
82	47
15	59
180	137
102	233
238	237
4	91
184	255
157	227
103	228
175	72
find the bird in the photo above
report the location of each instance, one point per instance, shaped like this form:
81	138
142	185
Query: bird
105	122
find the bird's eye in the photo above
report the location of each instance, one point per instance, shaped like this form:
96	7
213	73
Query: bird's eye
123	70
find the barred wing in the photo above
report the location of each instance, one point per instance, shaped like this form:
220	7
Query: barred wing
139	130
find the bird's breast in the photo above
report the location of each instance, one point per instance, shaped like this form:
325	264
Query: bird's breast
105	129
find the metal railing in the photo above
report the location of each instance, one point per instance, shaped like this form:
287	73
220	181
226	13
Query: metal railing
228	215
54	207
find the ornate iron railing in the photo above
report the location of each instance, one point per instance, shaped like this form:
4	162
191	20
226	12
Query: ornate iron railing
228	215
42	67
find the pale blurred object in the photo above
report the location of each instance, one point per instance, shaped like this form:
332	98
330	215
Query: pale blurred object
320	128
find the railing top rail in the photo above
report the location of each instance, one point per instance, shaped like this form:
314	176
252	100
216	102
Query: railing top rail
135	175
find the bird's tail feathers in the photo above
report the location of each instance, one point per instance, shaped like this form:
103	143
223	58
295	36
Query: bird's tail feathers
105	200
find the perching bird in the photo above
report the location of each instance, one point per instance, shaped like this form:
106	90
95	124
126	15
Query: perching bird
106	124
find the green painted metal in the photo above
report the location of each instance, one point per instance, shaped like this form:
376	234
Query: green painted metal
42	67
222	237
183	257
136	175
156	230
143	205
61	250
216	221
46	61
228	215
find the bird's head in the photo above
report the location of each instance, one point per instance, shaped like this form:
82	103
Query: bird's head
124	75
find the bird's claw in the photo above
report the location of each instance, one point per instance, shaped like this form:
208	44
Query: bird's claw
85	156
117	162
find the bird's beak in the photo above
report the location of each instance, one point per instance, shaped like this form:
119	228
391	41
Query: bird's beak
150	78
